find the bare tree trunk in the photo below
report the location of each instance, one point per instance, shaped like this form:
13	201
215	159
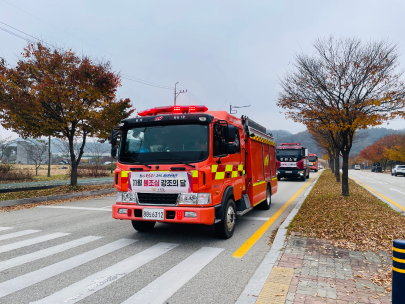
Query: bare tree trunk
49	156
337	172
345	174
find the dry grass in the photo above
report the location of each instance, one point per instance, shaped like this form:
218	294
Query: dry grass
358	222
43	169
52	191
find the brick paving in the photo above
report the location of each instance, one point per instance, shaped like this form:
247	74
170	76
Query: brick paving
325	274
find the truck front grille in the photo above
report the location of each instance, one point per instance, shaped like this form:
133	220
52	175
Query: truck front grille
168	199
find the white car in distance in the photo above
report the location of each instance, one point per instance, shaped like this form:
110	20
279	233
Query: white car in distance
398	170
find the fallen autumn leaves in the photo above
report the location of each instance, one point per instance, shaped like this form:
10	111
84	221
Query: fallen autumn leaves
358	222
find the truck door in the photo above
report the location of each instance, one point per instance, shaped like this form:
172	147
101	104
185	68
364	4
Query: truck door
258	181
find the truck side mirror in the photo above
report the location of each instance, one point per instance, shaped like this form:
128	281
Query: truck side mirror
306	152
231	134
113	142
232	148
113	151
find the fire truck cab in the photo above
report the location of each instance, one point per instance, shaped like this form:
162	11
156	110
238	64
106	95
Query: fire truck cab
185	164
292	161
313	162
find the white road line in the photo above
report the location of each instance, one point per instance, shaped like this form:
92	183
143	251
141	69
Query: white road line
75	208
32	241
167	284
86	287
256	218
39	275
26	258
5	228
17	234
397	190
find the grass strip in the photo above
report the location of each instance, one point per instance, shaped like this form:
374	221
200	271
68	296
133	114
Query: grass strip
53	191
357	222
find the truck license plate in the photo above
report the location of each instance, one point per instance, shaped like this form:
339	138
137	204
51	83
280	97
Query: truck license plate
153	214
288	171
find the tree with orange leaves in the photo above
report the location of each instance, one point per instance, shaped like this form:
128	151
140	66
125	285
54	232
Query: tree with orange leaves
58	93
347	85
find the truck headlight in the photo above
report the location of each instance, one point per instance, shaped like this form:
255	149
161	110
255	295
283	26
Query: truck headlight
204	198
126	197
195	198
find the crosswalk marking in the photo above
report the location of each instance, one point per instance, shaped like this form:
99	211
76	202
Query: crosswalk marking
75	208
5	228
166	285
86	287
17	261
34	277
17	234
32	241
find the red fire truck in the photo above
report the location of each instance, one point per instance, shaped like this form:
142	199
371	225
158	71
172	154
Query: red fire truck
185	164
292	161
313	162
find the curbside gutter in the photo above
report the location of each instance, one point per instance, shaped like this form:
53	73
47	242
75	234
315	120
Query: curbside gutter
254	287
29	200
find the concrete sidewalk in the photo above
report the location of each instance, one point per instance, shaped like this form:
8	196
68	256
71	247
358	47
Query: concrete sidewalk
311	271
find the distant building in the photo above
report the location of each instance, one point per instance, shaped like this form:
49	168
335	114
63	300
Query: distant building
24	156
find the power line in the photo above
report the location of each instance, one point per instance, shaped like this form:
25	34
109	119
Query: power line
27	35
125	76
14	34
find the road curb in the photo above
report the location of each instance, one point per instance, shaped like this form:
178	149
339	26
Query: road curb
253	288
10	203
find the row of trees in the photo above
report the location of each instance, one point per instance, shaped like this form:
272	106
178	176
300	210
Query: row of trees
345	86
390	148
55	92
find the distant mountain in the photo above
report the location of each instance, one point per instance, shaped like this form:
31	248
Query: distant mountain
279	133
363	139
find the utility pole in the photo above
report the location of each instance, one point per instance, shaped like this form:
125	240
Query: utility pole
176	94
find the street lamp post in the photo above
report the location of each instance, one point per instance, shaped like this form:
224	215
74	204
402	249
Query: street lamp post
232	111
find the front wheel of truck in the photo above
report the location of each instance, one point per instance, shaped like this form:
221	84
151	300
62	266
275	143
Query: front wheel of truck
225	228
143	226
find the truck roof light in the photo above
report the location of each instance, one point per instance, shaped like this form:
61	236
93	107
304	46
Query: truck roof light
290	144
173	109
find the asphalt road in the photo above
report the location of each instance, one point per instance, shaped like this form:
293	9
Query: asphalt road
75	252
392	187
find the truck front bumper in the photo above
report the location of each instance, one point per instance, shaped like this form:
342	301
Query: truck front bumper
175	214
290	173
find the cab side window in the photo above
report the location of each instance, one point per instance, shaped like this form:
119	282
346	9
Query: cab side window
219	140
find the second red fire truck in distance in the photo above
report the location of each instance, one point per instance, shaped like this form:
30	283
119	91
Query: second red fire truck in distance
185	164
292	161
313	162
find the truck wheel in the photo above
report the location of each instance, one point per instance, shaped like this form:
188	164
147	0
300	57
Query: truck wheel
225	228
143	226
316	170
265	205
303	178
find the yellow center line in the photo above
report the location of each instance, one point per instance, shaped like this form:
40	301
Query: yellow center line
259	232
392	202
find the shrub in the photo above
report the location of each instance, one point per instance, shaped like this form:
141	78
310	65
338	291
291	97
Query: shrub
92	171
9	173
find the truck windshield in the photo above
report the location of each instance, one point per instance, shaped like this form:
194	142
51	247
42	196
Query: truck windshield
289	154
312	158
164	144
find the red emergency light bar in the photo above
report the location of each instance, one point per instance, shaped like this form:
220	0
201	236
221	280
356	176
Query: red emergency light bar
173	109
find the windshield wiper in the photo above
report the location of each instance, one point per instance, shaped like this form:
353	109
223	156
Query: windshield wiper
137	160
179	160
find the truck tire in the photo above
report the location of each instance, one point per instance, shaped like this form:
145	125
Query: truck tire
141	226
265	205
303	178
225	228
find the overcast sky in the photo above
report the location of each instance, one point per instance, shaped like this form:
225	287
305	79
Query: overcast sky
221	51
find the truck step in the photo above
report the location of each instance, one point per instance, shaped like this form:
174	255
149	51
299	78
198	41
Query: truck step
240	213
